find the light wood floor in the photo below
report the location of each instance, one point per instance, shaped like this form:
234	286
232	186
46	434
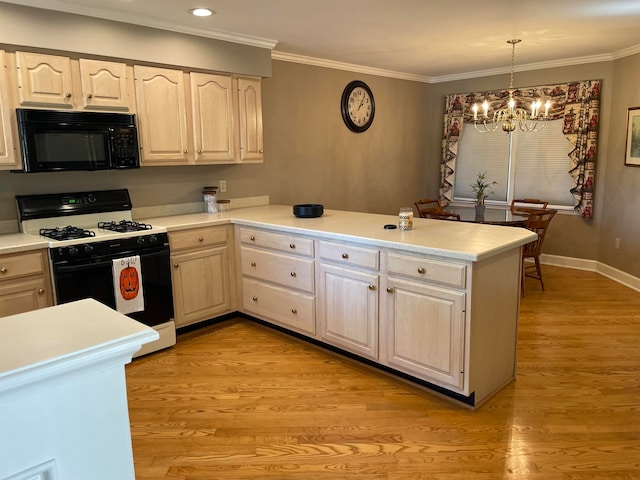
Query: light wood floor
240	401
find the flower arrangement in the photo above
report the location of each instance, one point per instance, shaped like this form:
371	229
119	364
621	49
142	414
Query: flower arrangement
482	188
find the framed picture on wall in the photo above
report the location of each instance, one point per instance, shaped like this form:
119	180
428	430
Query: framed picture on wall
632	156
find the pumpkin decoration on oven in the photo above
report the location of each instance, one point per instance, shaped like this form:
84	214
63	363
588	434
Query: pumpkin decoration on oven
129	282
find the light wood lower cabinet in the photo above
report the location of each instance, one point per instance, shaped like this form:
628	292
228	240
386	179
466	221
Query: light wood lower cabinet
25	283
201	274
278	278
424	331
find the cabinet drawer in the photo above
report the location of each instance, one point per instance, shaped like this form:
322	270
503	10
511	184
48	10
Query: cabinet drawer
349	255
277	241
286	270
295	310
197	237
22	264
427	269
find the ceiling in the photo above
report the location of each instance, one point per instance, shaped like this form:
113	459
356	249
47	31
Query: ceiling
420	39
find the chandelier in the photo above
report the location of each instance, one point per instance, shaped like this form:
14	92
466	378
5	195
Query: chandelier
511	116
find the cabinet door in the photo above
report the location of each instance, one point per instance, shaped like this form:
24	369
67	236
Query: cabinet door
105	85
424	328
162	117
348	309
8	157
44	80
250	117
200	285
24	296
213	118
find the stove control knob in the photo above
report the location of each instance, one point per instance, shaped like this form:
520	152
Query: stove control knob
153	239
140	241
88	248
73	251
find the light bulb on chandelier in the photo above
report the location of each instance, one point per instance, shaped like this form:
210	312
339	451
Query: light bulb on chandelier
511	116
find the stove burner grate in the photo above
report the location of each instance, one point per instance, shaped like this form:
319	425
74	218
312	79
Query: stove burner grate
66	233
124	226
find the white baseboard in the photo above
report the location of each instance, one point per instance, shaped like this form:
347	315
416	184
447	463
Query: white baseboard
593	266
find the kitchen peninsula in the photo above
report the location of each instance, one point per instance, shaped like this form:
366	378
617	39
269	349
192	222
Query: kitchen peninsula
437	304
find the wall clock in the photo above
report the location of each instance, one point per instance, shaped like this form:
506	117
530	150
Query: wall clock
358	106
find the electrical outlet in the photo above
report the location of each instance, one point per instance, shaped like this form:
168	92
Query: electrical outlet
617	244
223	186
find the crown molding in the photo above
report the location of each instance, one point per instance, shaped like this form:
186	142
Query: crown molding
116	15
320	62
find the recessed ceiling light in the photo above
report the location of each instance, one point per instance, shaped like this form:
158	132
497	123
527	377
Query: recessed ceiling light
202	12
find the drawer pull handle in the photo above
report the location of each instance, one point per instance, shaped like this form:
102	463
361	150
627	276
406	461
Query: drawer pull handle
389	290
253	264
372	287
294	311
293	274
176	265
292	245
200	239
252	238
345	255
255	299
3	270
421	270
41	291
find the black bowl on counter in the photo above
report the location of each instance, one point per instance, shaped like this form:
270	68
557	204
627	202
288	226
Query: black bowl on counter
308	210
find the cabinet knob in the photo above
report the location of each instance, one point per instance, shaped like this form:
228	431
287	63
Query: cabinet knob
421	270
185	151
41	291
372	287
89	96
68	95
293	274
200	239
389	290
3	270
200	152
255	299
253	264
175	265
345	255
261	151
292	245
294	311
252	238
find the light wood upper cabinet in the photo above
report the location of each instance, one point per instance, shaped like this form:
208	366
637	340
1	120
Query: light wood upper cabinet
52	81
214	118
250	117
8	157
162	116
105	85
44	80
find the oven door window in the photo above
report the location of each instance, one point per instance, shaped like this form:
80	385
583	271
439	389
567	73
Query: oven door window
68	149
95	280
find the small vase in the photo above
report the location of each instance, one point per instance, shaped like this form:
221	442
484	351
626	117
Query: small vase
480	210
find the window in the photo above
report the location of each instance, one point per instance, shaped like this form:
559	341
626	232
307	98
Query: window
525	164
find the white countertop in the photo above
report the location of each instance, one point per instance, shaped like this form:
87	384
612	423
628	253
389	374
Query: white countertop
45	342
460	240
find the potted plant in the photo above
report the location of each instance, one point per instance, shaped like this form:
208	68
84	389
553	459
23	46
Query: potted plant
482	189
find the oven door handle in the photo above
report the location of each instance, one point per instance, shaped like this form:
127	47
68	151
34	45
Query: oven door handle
71	267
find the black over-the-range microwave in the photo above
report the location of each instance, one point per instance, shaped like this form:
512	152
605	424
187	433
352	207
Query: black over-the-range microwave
53	140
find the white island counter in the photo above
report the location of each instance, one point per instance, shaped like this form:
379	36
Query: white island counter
63	402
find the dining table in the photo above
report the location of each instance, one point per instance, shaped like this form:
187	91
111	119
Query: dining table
494	216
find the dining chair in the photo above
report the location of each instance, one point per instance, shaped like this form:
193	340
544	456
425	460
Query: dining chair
425	205
537	222
528	205
442	215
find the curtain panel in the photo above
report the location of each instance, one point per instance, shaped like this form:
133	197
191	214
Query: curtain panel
578	103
